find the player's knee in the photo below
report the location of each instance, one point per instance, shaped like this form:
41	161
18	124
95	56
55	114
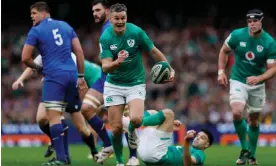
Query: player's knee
88	111
42	120
136	120
117	129
237	114
253	119
237	110
168	113
41	116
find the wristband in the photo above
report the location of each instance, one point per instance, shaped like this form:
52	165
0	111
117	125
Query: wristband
81	75
220	71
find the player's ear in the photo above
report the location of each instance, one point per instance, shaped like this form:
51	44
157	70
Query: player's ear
44	14
207	145
107	11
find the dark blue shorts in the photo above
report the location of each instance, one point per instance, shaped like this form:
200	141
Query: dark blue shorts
99	84
60	91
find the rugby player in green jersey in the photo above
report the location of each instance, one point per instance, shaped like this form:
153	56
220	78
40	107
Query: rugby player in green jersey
122	45
254	50
156	139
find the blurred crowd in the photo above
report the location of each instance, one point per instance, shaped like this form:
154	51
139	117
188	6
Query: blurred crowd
192	50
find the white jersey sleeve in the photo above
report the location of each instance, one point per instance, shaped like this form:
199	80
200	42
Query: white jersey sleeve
74	58
38	60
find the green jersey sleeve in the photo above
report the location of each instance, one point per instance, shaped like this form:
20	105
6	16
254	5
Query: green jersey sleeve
231	41
199	156
104	49
271	52
145	41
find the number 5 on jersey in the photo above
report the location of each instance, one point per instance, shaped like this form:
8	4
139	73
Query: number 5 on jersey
57	36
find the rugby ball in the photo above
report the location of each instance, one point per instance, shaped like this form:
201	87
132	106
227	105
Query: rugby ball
160	72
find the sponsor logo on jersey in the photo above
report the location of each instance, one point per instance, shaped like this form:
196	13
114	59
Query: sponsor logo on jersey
250	55
243	44
113	47
130	42
260	48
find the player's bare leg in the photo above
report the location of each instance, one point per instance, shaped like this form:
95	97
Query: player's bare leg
253	135
87	136
133	159
115	120
103	113
136	113
42	120
163	119
91	104
167	124
241	130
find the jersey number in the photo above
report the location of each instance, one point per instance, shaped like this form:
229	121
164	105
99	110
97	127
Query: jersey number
57	36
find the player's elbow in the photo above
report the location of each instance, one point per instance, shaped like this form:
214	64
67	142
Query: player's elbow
105	68
24	59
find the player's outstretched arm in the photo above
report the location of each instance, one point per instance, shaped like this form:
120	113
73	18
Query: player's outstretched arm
25	75
187	158
222	60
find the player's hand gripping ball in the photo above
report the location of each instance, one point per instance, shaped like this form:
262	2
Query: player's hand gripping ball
160	72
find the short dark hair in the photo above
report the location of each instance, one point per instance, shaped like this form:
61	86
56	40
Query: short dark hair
105	3
209	135
40	6
118	7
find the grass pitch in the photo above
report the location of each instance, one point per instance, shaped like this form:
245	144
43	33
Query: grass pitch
215	156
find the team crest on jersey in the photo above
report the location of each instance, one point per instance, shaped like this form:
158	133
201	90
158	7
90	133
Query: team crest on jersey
250	55
260	48
131	42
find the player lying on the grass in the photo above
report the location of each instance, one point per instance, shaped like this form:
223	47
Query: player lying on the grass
42	118
155	140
